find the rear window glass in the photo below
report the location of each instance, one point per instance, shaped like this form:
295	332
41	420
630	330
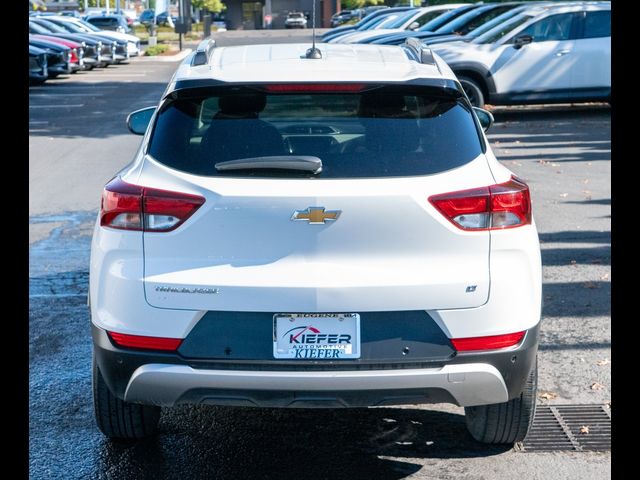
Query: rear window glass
369	134
104	21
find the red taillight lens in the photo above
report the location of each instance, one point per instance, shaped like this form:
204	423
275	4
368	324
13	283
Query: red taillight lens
131	207
315	87
145	343
487	343
73	56
505	205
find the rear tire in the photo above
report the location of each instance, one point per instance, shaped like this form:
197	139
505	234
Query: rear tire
507	422
473	91
118	419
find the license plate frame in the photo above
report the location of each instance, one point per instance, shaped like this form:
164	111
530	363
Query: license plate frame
316	336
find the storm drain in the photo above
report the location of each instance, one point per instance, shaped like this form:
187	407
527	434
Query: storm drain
569	427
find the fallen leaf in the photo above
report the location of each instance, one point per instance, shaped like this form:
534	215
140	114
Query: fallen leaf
586	192
547	395
517	141
573	262
588	164
585	181
608	404
597	386
603	362
605	277
584	429
513	162
590	285
542	162
564	195
558	171
588	197
555	164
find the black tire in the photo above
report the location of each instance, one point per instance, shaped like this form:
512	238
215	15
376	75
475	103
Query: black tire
118	419
507	422
473	91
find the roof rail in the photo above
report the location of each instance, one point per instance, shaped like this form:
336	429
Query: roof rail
203	52
423	54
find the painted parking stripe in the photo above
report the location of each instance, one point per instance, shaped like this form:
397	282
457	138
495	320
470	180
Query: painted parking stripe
76	105
65	94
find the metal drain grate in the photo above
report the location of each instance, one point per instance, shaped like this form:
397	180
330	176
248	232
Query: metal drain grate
557	427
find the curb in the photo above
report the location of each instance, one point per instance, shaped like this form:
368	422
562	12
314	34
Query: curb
165	58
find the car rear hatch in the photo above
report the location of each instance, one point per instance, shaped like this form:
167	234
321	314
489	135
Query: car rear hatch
361	235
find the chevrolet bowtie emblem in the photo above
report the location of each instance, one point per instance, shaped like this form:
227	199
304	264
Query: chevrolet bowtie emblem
316	215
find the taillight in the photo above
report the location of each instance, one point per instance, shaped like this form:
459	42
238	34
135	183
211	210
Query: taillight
145	343
487	343
505	205
132	207
73	56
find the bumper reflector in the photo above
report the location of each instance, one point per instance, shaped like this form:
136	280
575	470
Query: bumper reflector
145	343
487	343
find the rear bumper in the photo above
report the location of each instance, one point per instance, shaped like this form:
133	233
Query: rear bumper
168	379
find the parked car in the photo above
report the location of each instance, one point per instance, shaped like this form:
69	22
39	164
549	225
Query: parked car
57	56
37	65
125	45
76	53
147	17
92	48
480	30
363	245
543	55
295	20
70	13
114	22
343	16
458	25
362	24
411	20
377	23
165	18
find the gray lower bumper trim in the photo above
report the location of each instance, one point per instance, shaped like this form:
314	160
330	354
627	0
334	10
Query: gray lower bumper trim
470	384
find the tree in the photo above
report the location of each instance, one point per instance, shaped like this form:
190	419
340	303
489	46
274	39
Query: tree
353	4
214	6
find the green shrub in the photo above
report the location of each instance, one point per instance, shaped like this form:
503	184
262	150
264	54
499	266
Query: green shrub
156	50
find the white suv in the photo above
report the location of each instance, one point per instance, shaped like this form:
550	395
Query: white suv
546	54
315	229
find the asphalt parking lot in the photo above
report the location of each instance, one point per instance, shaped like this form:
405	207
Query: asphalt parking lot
78	140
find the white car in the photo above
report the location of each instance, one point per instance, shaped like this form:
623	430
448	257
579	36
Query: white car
409	20
295	20
546	54
315	229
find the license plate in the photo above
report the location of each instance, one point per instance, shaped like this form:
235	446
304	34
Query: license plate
316	336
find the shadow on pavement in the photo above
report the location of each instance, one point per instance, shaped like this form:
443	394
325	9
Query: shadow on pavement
225	442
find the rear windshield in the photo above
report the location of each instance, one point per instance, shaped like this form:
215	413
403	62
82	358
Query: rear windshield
104	21
376	133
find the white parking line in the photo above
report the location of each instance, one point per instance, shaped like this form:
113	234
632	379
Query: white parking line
75	105
38	122
122	75
66	295
51	88
65	94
